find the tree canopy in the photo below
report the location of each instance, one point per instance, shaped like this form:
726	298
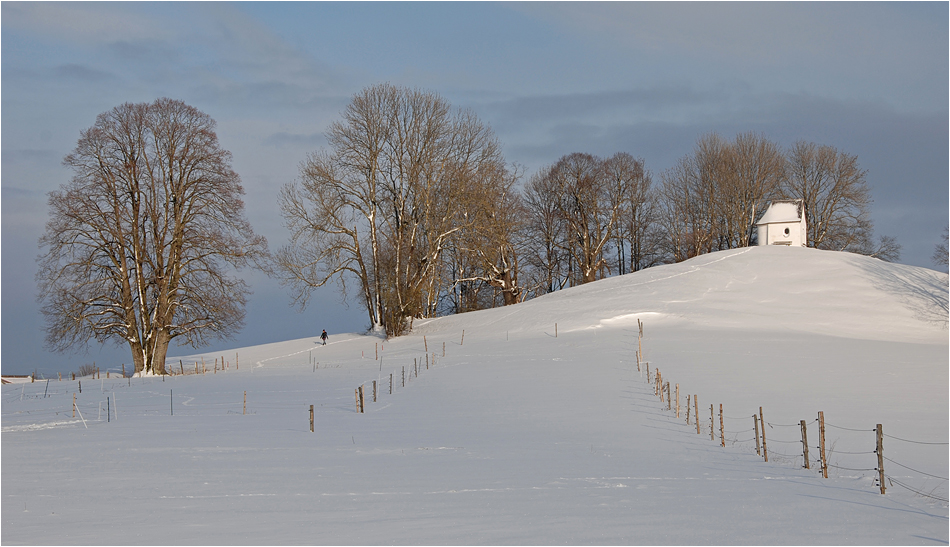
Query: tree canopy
141	241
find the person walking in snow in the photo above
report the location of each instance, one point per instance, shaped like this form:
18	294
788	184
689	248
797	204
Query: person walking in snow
324	337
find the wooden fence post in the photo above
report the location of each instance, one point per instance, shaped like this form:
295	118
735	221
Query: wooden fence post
880	455
404	376
356	395
677	400
689	401
712	423
722	428
74	405
640	346
805	444
669	401
390	383
696	411
765	448
758	446
244	412
374	391
462	343
311	418
426	343
821	443
362	401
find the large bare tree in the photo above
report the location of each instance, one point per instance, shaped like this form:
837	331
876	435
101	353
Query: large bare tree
754	170
837	200
382	204
140	243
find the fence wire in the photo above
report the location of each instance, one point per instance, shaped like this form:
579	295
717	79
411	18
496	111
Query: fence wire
732	437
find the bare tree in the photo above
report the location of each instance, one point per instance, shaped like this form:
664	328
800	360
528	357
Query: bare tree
636	235
140	242
546	254
382	205
687	202
887	249
940	250
834	189
754	171
590	206
488	249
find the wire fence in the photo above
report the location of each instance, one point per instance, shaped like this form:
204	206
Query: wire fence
790	442
91	402
95	399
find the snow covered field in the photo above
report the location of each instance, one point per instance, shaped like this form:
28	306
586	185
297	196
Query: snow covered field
526	432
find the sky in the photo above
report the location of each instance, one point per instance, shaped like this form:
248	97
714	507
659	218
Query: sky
550	78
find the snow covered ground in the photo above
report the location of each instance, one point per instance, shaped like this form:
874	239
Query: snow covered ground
536	428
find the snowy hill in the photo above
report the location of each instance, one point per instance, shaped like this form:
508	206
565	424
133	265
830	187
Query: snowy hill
780	289
536	427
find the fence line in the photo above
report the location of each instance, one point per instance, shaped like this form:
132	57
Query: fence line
707	425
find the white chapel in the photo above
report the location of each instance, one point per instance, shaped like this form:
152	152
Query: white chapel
783	224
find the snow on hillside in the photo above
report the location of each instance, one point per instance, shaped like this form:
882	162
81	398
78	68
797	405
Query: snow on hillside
536	428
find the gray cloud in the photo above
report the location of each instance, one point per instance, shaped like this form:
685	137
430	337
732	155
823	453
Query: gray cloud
645	103
85	23
892	50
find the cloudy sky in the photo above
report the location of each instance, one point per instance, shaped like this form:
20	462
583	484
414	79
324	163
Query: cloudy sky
550	78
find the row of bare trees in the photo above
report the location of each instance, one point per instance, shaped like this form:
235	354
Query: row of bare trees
711	198
412	206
